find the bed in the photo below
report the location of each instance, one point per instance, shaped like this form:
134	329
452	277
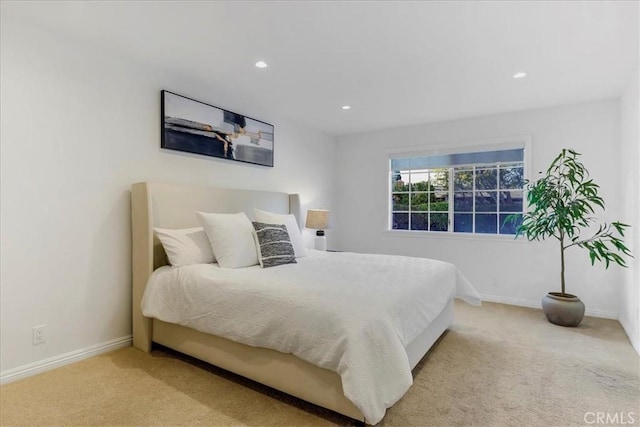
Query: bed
173	206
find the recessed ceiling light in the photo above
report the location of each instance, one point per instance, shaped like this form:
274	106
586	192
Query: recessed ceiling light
346	107
261	64
519	75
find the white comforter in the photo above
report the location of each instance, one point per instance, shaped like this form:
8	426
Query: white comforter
350	313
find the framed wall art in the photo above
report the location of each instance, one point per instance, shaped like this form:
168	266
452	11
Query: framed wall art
195	127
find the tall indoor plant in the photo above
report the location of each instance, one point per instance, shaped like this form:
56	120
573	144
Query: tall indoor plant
562	205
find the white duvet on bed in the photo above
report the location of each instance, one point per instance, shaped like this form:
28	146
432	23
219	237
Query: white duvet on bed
350	313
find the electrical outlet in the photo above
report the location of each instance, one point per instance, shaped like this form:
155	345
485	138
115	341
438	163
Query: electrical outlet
38	334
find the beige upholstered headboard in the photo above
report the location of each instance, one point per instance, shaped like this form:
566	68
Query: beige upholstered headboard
173	206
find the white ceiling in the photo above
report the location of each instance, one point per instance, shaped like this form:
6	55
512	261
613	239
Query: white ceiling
395	63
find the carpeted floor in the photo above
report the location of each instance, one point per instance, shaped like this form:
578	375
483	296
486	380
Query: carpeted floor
498	365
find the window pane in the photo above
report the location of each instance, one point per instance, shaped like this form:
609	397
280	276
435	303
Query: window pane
400	163
463	201
463	179
486	179
419	221
487	223
420	202
400	202
399	182
439	179
446	160
463	223
511	201
420	180
400	221
486	201
439	202
512	177
509	227
439	222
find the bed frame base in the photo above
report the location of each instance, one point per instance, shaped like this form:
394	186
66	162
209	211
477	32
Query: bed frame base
281	371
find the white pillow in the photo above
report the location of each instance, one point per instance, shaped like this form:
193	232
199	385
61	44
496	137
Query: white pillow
292	227
231	238
185	246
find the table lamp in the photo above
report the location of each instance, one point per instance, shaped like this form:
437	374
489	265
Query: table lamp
318	219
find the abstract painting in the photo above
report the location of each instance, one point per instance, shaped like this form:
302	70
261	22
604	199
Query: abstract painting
195	127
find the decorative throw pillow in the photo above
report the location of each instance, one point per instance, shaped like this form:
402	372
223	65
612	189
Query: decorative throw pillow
274	245
231	238
292	227
185	246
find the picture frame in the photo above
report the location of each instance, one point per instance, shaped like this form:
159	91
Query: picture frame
196	127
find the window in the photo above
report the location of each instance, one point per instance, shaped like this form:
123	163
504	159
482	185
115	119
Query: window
457	193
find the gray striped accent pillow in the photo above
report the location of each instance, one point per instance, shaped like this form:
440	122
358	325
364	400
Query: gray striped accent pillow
274	245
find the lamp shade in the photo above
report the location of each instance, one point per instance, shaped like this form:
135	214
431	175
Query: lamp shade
317	219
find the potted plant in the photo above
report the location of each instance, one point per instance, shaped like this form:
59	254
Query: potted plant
562	205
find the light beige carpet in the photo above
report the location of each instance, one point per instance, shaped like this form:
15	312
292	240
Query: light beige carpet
497	366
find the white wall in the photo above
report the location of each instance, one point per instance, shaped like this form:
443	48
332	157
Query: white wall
79	125
630	177
501	269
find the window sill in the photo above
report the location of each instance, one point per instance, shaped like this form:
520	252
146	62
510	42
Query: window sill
501	238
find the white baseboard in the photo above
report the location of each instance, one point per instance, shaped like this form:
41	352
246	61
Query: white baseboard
20	372
536	304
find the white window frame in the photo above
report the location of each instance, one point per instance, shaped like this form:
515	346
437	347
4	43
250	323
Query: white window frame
474	146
